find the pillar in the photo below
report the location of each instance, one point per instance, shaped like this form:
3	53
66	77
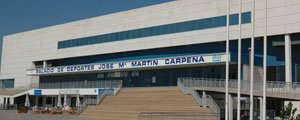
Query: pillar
44	64
37	101
230	107
11	101
288	58
6	101
261	108
44	101
204	101
1	100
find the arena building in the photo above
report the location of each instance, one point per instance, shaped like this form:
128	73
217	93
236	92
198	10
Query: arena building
156	46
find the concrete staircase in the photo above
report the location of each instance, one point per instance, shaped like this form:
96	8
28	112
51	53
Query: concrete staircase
131	101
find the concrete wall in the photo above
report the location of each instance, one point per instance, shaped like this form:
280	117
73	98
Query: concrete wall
19	50
258	72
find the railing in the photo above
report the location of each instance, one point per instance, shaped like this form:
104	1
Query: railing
88	100
95	100
27	87
272	86
200	99
176	116
82	84
100	99
270	115
118	89
8	107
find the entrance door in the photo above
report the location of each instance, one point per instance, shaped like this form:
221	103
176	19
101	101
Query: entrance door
53	102
73	101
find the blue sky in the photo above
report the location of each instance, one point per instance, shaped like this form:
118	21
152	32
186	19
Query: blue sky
23	15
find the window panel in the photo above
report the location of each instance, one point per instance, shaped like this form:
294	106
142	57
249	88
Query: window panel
219	21
246	17
7	83
234	19
139	33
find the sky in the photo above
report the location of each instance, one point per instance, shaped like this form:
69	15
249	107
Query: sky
23	15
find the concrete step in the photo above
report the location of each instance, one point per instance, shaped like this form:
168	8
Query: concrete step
131	101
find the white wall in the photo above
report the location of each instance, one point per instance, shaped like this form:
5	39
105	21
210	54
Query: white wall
19	50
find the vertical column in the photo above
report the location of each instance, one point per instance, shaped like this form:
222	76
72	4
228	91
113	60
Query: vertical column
227	62
7	99
261	107
1	100
44	101
288	58
36	101
11	101
204	104
44	64
230	107
239	62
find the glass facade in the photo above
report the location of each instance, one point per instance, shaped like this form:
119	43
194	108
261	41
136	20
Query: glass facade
143	78
213	22
155	53
7	83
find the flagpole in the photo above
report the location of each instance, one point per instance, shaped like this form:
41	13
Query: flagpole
239	62
265	63
227	63
252	59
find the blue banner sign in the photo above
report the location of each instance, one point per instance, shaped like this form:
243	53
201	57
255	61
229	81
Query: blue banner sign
37	92
181	60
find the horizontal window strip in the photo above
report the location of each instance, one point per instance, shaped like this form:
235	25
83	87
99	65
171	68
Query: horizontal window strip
200	24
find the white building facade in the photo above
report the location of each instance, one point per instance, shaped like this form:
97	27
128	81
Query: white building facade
154	45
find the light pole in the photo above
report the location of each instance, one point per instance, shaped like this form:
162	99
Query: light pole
265	63
227	63
252	59
239	62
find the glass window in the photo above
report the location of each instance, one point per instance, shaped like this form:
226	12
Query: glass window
145	32
105	38
193	25
206	23
100	75
171	28
186	26
139	33
48	100
122	35
127	35
7	83
164	29
124	74
117	37
60	45
117	74
234	19
135	73
219	21
110	75
132	34
246	17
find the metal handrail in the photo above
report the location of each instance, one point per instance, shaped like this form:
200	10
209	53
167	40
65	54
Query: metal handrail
200	98
272	86
26	87
176	115
91	100
8	106
88	100
82	84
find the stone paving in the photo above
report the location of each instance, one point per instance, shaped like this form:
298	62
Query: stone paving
13	115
